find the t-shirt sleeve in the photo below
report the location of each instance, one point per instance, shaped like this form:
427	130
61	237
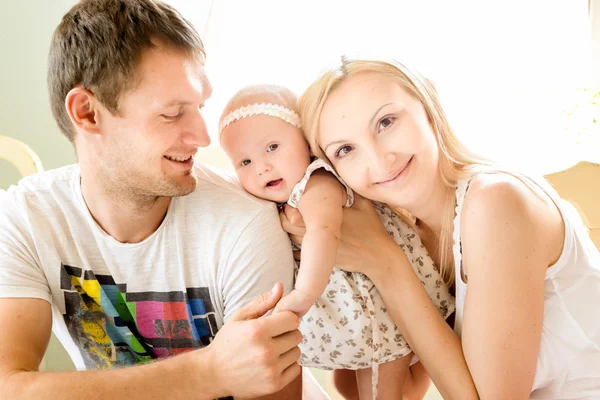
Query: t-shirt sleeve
20	273
261	257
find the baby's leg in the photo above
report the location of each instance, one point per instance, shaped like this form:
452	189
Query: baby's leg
344	381
418	383
392	378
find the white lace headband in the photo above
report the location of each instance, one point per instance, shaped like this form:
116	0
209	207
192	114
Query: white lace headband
274	110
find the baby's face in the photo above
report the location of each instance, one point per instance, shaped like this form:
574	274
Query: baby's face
270	156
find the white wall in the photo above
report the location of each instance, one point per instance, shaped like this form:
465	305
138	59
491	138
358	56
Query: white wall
26	29
25	32
595	37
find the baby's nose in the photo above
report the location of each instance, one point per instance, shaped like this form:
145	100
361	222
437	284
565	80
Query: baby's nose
264	168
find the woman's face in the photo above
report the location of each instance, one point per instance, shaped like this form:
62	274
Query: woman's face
380	141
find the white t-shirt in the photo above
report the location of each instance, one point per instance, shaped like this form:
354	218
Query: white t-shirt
116	304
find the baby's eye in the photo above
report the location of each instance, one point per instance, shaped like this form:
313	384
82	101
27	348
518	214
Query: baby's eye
245	163
343	151
272	147
385	123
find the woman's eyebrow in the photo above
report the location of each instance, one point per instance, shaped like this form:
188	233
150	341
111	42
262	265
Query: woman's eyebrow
332	143
372	120
370	123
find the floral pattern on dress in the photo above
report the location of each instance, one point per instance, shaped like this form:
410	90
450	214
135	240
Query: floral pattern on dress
348	326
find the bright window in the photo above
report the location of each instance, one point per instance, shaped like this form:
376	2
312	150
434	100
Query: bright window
505	70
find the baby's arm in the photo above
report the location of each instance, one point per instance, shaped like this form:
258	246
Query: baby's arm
321	208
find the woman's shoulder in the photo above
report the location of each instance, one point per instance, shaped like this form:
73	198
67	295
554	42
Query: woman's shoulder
503	204
491	195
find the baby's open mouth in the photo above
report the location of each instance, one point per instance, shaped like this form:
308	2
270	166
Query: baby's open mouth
274	183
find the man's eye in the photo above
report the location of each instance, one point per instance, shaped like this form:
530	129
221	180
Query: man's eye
171	117
272	147
245	162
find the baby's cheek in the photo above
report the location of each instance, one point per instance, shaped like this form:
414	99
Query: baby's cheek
298	174
245	182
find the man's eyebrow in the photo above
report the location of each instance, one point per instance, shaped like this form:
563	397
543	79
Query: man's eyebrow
176	103
207	92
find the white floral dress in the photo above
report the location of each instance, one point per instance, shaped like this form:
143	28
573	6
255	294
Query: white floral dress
348	326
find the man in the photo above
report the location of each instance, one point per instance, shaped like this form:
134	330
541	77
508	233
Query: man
135	253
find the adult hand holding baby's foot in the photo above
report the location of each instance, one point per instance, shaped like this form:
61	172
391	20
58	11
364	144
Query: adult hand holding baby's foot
295	301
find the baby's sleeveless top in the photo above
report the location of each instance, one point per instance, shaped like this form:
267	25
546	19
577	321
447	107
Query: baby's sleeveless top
568	365
348	326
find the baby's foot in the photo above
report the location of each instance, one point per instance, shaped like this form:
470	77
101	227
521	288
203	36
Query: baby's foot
295	301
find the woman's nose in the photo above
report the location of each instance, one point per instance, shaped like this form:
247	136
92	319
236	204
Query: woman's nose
381	161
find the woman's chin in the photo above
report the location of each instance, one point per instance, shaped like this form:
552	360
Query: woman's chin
393	198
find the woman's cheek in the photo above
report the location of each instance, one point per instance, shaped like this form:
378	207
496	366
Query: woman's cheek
351	177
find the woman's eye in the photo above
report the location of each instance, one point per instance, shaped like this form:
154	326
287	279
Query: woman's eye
343	151
245	162
272	147
385	123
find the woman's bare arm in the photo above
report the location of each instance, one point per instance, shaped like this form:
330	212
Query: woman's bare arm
510	236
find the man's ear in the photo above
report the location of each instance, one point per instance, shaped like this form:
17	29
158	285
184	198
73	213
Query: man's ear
81	107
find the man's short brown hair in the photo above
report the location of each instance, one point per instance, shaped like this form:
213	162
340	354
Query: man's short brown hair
98	44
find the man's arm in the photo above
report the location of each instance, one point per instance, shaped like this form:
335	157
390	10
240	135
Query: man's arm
25	327
248	357
262	256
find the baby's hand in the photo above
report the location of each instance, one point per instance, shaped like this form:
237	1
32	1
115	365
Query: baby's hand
295	301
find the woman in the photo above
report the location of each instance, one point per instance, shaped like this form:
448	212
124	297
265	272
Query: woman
526	274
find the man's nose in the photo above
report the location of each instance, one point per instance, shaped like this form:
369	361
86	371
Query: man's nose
196	131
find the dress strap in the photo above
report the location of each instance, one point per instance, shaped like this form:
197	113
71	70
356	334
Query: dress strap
461	193
317	164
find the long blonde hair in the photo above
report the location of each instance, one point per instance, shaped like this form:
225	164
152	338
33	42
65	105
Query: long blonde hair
455	161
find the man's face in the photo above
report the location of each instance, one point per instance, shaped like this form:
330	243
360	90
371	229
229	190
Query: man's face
147	150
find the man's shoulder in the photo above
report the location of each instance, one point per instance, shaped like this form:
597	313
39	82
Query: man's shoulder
222	189
41	187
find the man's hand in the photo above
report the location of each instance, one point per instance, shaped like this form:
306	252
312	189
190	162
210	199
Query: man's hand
253	356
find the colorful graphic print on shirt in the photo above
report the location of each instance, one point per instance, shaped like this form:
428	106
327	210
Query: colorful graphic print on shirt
113	328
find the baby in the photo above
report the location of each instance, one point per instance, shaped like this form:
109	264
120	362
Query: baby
345	324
